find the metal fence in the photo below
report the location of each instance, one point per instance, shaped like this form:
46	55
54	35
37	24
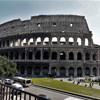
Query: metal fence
10	93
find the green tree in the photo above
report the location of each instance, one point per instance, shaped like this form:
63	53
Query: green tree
7	67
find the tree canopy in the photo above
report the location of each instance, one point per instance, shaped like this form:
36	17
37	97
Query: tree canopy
7	67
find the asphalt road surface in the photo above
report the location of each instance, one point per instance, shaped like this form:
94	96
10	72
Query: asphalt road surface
50	93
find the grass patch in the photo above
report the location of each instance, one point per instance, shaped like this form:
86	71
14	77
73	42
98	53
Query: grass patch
67	86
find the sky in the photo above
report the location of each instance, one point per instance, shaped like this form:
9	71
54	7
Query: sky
24	9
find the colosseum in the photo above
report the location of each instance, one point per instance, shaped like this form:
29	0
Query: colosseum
57	45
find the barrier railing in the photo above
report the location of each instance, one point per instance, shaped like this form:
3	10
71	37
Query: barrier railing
10	93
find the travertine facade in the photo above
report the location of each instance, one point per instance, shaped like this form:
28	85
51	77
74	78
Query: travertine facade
60	45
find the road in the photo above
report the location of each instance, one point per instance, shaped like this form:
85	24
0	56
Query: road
52	94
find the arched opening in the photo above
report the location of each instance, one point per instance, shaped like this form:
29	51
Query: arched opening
22	70
37	70
71	56
29	70
30	55
38	41
94	56
95	71
45	70
87	71
38	55
86	42
71	71
23	55
17	42
7	43
54	55
87	56
23	43
53	71
79	56
79	41
54	41
30	42
11	55
11	43
16	55
62	56
62	41
46	41
79	72
62	71
45	55
71	41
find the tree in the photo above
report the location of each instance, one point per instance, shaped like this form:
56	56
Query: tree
7	67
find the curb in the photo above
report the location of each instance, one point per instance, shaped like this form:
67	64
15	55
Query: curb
70	93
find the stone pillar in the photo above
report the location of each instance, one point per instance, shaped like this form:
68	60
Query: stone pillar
98	71
41	71
67	41
91	56
26	53
83	41
67	72
25	71
33	70
75	72
83	71
58	42
58	71
75	56
75	41
49	70
91	70
42	54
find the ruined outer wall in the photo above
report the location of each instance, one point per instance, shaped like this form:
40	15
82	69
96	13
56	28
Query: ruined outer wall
45	23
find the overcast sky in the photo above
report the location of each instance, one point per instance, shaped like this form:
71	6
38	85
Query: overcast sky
24	9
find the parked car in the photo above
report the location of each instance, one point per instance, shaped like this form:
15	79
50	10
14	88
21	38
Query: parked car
17	86
44	96
8	81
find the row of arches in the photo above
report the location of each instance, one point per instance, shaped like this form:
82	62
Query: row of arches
54	71
46	41
39	54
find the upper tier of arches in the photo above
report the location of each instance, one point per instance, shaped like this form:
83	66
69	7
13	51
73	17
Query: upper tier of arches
46	41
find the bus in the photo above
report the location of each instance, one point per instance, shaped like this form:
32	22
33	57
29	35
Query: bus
25	82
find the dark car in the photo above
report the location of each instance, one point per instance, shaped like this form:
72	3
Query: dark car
44	96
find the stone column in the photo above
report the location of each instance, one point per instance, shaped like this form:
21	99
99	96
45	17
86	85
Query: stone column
75	41
25	71
91	70
75	72
42	54
33	70
83	41
67	72
97	70
67	41
83	71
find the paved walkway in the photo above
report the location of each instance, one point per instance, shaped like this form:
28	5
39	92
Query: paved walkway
75	81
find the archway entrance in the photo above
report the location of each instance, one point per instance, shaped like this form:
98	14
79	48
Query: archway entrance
37	70
79	72
53	71
62	71
71	71
87	71
94	71
45	70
